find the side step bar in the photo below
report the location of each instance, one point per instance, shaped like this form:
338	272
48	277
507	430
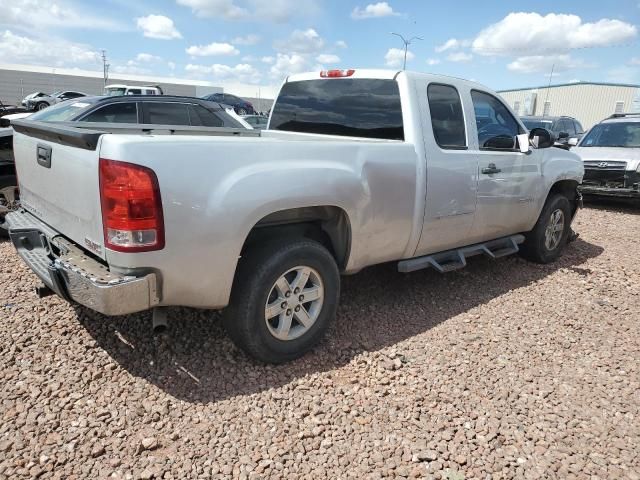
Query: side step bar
455	259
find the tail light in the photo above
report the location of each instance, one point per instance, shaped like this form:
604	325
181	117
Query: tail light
336	73
131	207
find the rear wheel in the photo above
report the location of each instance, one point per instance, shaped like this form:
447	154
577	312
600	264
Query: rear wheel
8	198
544	244
41	106
283	299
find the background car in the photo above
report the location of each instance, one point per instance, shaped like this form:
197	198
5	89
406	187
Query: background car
242	107
119	90
564	128
41	100
259	122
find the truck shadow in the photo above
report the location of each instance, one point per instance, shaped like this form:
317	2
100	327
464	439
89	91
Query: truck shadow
195	361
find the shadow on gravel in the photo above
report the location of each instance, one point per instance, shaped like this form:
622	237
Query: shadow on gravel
380	307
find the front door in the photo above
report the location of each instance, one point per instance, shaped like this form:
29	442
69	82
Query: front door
451	169
508	180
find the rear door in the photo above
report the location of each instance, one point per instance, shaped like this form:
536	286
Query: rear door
508	179
451	169
165	113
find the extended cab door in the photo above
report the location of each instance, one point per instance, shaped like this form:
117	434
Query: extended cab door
508	180
452	168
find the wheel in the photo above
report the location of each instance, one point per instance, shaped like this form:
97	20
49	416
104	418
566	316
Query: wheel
545	242
242	111
283	299
41	106
8	198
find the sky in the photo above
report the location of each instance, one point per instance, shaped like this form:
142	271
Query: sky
501	44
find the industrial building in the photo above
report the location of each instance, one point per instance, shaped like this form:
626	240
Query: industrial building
588	102
17	81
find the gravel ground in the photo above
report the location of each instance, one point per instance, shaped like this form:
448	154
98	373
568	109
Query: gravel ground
503	370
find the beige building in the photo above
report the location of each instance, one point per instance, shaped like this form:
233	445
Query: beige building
589	102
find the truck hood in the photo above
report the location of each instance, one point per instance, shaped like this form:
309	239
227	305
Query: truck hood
630	155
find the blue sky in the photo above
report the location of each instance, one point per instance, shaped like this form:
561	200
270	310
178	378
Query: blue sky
501	44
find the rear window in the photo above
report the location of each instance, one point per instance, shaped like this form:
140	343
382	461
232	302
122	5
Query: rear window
62	112
368	108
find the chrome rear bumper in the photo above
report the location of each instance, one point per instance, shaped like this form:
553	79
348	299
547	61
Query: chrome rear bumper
74	275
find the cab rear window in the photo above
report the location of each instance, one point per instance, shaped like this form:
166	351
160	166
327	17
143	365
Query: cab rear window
368	108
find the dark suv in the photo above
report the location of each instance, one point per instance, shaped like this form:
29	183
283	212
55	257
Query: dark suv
241	107
564	128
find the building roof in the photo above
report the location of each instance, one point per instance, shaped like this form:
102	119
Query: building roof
573	84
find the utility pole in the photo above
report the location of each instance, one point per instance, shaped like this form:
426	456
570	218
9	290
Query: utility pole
546	97
105	67
406	46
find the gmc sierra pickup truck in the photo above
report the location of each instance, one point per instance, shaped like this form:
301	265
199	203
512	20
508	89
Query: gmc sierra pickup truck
357	168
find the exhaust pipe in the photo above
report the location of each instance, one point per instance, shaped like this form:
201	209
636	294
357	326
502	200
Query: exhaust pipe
159	318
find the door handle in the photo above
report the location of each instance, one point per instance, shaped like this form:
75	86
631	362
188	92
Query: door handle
491	169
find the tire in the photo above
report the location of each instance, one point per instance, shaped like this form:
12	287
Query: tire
246	320
539	248
41	106
6	181
242	111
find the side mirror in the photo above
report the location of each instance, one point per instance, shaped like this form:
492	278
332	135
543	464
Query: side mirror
542	138
573	141
502	142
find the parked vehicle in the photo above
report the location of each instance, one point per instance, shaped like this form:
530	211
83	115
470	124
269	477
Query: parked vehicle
242	107
611	155
42	101
258	122
149	110
564	128
119	90
32	96
264	223
10	109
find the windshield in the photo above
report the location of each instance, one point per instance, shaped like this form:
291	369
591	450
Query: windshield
61	112
114	92
531	124
614	134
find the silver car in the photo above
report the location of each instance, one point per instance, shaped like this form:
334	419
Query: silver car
611	155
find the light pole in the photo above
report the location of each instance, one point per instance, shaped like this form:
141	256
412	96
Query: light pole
406	46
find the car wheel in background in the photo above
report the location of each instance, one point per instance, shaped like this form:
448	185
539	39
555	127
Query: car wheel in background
242	111
283	299
544	244
41	106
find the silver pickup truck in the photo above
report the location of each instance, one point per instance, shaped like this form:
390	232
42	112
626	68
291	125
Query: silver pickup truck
357	168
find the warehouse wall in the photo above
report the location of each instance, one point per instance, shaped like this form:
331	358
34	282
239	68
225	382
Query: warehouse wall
589	103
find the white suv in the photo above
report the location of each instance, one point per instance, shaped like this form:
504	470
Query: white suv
117	90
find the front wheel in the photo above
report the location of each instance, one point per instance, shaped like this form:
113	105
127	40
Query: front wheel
283	299
242	111
544	244
41	106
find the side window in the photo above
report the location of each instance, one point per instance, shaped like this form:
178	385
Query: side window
115	113
570	129
447	118
166	113
578	126
134	91
200	116
73	95
497	128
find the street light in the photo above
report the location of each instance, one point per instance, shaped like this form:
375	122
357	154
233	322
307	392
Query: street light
406	46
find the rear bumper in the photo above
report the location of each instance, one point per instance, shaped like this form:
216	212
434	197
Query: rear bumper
75	276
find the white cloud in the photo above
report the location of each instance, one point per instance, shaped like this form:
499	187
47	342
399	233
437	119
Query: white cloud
280	11
147	58
158	26
543	64
268	60
250	39
452	44
433	61
51	51
213	49
624	74
45	13
395	57
327	58
130	68
301	41
243	72
341	44
459	57
373	10
288	64
518	32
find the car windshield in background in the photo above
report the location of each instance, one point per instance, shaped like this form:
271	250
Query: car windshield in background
614	134
61	112
531	124
368	108
115	92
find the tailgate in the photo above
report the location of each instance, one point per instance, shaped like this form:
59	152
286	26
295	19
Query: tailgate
58	177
